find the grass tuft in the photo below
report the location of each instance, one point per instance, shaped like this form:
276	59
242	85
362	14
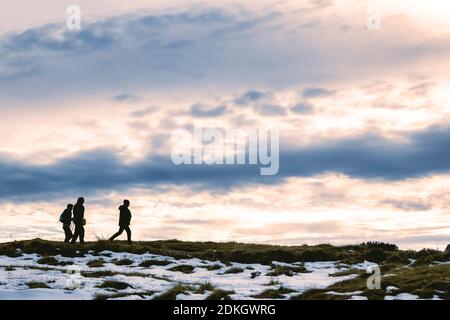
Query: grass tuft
124	262
154	262
172	293
109	284
286	270
37	285
204	287
273	293
213	267
233	270
51	261
220	294
98	263
98	274
185	268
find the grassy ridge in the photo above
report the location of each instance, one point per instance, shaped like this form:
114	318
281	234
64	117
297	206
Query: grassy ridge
236	252
413	272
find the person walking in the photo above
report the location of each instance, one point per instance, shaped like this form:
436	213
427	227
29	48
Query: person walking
124	221
79	221
66	220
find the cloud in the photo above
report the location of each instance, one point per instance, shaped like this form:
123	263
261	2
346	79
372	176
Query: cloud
269	109
206	48
273	230
102	170
47	38
127	97
303	108
130	51
408	204
316	92
251	96
372	156
422	89
176	221
369	156
143	112
203	111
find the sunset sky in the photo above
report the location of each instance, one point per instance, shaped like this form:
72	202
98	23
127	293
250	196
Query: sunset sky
363	116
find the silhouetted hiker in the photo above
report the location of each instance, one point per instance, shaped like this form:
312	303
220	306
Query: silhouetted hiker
78	220
124	221
66	220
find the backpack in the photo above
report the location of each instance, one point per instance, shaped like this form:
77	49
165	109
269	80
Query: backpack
63	217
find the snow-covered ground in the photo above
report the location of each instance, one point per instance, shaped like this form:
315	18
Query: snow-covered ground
19	275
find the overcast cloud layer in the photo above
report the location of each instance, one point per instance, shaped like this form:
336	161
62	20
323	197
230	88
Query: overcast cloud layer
210	47
371	157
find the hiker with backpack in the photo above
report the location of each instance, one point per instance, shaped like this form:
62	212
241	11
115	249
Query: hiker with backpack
66	220
124	221
78	220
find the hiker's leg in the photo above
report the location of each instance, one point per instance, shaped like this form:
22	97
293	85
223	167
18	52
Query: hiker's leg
128	230
65	233
68	233
118	233
81	234
76	233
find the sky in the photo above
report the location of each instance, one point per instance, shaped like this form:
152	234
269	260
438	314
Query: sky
363	115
